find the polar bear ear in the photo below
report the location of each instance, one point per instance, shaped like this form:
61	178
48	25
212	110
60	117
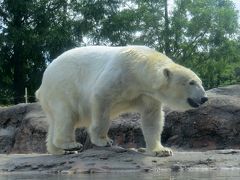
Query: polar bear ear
167	73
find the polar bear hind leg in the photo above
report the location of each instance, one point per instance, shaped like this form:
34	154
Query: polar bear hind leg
61	135
51	148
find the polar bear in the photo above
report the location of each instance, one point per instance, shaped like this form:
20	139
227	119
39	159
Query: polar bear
88	86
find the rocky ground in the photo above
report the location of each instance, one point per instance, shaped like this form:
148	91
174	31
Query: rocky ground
115	159
214	126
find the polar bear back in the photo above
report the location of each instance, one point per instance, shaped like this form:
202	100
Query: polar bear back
71	76
84	65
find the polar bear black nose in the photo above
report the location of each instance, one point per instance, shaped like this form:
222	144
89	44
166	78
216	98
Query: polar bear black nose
204	99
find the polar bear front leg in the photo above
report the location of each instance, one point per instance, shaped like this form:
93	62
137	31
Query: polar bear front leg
100	123
152	126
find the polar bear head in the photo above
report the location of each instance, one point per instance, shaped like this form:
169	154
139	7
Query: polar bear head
183	89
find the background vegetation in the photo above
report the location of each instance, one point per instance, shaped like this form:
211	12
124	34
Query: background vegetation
200	34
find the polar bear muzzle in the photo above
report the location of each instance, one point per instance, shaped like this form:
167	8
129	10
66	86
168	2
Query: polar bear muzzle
195	104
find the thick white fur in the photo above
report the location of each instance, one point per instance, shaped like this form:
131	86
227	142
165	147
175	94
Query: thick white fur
88	86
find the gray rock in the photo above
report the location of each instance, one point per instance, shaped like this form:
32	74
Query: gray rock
23	129
7	136
216	125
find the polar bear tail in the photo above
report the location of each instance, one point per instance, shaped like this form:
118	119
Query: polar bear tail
37	94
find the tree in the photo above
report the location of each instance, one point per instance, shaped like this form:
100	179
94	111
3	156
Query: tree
150	15
204	33
33	32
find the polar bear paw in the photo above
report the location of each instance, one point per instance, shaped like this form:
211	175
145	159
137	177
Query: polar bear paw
72	146
163	152
159	152
102	141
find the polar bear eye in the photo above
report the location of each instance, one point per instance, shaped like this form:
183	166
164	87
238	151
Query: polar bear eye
192	82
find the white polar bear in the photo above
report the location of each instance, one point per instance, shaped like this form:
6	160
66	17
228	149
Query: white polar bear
88	86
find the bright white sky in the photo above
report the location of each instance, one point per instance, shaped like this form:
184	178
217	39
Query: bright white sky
236	2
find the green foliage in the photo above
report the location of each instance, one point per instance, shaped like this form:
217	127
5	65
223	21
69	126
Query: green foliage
201	34
207	40
33	33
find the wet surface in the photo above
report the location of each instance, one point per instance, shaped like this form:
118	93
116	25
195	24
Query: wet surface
163	175
104	162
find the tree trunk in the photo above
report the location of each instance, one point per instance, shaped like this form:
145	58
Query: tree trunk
166	29
18	64
18	76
